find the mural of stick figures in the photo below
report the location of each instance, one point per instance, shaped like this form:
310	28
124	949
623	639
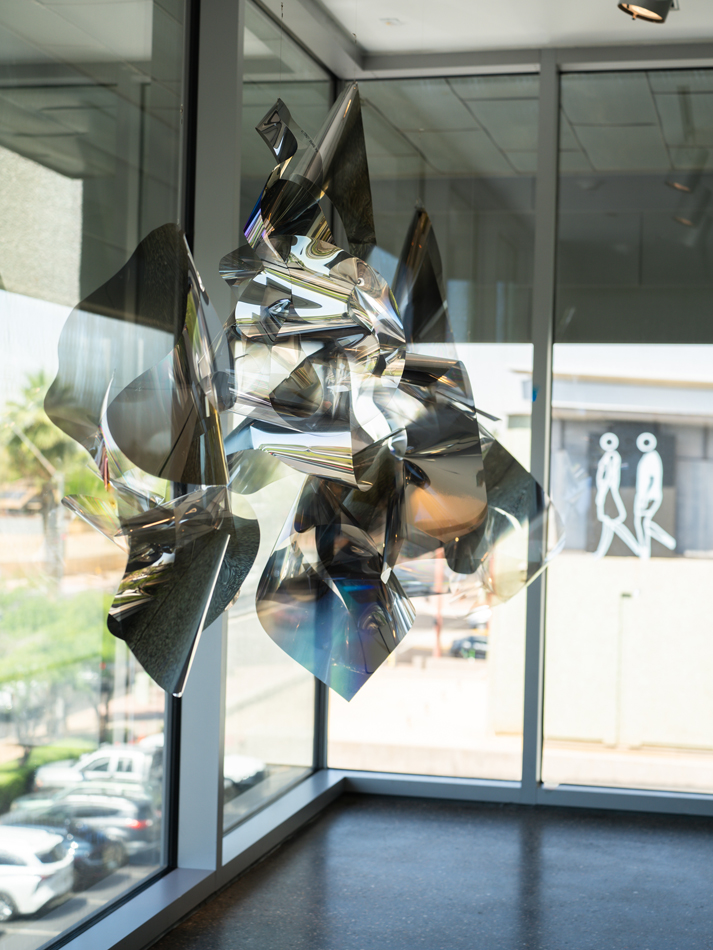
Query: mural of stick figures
649	495
608	481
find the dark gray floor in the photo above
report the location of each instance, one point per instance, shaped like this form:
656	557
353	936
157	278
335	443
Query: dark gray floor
398	874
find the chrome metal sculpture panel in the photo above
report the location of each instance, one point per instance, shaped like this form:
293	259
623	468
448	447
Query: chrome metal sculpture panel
318	368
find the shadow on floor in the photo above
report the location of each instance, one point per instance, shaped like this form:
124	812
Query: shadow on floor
378	873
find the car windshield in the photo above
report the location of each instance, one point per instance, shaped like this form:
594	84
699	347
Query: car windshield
57	853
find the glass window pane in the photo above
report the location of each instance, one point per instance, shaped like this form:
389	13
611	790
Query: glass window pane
90	96
449	701
628	648
269	714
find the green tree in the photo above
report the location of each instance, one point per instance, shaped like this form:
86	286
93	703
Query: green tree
34	445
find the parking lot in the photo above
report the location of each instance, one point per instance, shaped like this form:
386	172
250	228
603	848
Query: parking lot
31	932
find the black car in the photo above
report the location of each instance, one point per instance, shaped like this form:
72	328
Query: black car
470	647
132	822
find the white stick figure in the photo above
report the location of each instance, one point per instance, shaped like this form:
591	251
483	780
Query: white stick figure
608	480
649	495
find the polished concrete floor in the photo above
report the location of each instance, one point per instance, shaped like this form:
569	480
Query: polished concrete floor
398	874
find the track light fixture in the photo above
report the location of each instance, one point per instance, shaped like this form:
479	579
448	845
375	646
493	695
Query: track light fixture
655	11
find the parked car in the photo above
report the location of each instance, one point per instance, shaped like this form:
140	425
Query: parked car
127	763
39	801
241	772
95	854
470	647
36	866
132	822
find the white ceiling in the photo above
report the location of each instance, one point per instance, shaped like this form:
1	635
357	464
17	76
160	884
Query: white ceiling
461	25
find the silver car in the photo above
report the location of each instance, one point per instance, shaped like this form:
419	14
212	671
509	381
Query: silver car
35	868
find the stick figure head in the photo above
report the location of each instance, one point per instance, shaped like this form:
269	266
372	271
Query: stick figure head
609	442
646	442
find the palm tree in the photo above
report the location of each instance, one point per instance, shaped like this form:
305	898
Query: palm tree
41	454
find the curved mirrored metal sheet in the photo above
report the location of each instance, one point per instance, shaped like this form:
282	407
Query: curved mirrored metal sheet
119	331
419	288
186	563
310	373
335	164
323	597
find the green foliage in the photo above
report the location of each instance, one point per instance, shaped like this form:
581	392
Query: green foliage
19	462
45	632
50	656
57	752
13	783
16	776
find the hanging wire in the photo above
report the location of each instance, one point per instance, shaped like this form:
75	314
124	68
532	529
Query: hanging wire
282	30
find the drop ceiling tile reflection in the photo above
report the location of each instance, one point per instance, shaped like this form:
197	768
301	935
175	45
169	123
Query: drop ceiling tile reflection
94	122
692	158
401	166
19	121
675	80
574	161
254	162
608	99
121	30
381	136
511	123
170	117
613	148
463	152
42	97
568	140
41	26
254	47
68	154
524	162
497	87
302	95
418	104
17	49
687	118
83	32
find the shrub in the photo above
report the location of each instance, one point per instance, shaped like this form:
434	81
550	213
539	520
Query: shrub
16	776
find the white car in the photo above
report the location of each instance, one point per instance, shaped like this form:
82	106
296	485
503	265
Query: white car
35	867
239	771
125	763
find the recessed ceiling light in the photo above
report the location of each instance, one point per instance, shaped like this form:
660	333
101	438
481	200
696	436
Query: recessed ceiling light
391	21
655	11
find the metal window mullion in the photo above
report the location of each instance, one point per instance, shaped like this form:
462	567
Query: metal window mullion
320	756
216	214
543	290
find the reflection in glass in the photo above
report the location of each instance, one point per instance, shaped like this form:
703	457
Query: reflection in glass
399	473
449	699
269	713
89	159
628	658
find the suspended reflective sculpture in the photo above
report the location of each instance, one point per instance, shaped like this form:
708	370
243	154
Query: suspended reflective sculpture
321	367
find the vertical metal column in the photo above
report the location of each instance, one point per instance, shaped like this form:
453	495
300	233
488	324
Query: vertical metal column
216	232
543	292
320	754
217	208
